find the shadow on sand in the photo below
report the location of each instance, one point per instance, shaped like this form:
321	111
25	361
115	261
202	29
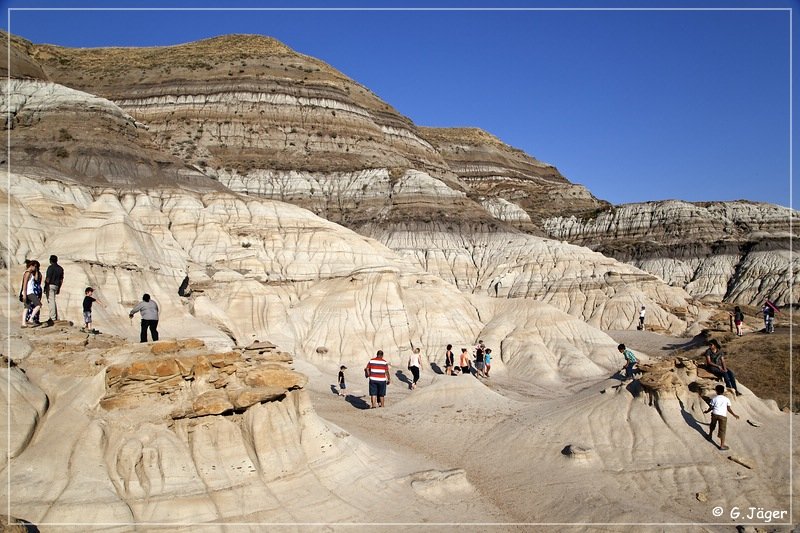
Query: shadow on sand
697	341
402	377
356	401
691	421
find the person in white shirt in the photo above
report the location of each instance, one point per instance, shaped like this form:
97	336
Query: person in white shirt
641	318
414	365
719	408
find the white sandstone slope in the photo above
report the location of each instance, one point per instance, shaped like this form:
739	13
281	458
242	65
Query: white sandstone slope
600	455
263	269
542	345
106	449
597	289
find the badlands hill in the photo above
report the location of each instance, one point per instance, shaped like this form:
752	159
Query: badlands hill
309	214
737	252
260	118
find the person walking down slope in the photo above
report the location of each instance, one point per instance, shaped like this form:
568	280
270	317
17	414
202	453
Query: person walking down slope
53	280
377	370
414	365
642	312
719	408
630	361
715	361
149	310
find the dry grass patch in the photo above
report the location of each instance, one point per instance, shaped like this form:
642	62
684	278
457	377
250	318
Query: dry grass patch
761	363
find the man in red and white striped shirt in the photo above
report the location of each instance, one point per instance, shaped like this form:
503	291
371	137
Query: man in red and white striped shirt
377	370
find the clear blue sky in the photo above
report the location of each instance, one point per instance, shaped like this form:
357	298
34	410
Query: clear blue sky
635	105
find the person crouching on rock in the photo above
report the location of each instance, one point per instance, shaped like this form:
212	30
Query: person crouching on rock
630	361
149	310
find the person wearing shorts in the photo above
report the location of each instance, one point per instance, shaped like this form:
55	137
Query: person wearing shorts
479	361
449	359
88	300
377	370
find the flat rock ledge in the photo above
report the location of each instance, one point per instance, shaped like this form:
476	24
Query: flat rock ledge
193	382
675	376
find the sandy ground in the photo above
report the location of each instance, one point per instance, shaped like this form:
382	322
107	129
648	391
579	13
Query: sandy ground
635	460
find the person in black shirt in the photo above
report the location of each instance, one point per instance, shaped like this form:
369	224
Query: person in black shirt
88	300
53	280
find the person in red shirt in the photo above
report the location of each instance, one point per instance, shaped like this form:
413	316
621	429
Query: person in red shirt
377	370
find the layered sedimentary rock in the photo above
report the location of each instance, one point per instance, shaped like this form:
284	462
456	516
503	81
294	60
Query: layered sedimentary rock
732	251
263	119
70	133
494	170
246	102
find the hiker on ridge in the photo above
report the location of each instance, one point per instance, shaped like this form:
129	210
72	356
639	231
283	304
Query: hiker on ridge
53	280
149	310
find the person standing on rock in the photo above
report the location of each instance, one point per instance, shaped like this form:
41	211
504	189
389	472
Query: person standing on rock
449	360
23	293
53	280
149	310
715	361
414	365
377	370
719	408
641	318
88	300
30	293
630	361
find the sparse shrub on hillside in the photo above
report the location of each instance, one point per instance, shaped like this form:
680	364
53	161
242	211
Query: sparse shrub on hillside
395	173
61	152
64	135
